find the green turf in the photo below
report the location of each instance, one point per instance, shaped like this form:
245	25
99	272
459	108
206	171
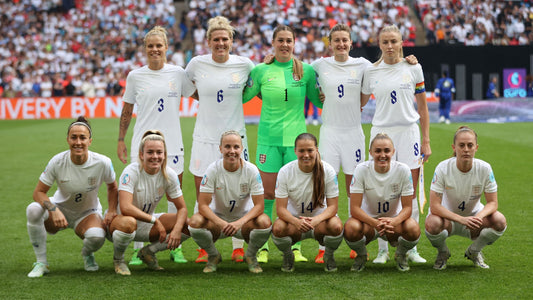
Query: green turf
28	145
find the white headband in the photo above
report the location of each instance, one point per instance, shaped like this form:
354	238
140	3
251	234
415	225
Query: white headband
82	124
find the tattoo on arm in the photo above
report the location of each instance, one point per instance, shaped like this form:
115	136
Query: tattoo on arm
49	205
125	119
439	195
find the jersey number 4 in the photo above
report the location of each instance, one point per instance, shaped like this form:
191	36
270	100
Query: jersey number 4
308	208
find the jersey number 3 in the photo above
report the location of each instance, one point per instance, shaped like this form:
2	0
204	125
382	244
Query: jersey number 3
161	105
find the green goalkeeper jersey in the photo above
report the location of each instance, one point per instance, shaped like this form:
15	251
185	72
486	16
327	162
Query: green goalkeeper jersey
283	96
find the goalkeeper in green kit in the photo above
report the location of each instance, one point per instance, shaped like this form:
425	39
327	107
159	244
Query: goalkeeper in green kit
283	83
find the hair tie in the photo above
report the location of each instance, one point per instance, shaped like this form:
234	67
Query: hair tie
82	124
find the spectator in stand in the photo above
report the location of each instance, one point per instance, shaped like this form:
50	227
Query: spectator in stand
58	89
98	36
46	86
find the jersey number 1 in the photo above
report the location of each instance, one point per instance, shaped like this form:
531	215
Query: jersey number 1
308	208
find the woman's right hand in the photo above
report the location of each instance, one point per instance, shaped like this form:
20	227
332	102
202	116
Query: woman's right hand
161	229
304	224
122	152
58	218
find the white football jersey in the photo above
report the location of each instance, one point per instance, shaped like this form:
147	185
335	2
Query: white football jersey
78	185
220	87
148	189
382	192
341	84
297	186
157	95
394	87
231	191
461	192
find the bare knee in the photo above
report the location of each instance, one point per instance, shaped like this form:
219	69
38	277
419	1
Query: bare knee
196	221
434	224
412	230
498	221
279	228
353	230
263	221
126	224
335	226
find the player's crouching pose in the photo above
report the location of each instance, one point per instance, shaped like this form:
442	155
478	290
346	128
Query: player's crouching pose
231	204
307	195
79	173
141	187
455	207
385	209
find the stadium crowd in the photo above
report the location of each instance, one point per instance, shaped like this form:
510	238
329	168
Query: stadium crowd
476	22
86	48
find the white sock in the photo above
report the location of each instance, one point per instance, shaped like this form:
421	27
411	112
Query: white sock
184	237
486	237
320	247
258	238
358	246
283	243
331	243
237	243
36	216
158	246
121	240
383	245
438	240
204	239
405	245
415	213
138	245
94	240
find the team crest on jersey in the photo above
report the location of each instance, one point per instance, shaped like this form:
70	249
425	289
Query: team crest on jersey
173	89
244	188
476	190
91	180
204	180
160	191
262	158
125	179
395	188
250	82
353	78
235	77
295	77
405	84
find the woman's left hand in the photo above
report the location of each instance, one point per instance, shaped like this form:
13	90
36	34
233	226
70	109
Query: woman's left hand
231	228
174	239
109	216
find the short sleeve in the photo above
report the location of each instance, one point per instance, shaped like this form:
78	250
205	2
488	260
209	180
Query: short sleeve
128	179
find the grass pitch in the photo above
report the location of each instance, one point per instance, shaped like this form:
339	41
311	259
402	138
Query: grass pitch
27	146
